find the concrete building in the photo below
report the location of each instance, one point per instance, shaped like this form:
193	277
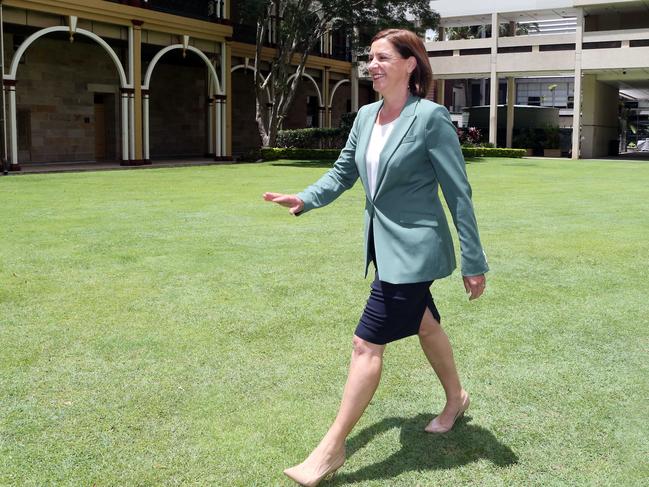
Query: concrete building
592	50
132	80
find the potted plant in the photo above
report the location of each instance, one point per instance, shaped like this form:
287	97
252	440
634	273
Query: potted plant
551	147
524	140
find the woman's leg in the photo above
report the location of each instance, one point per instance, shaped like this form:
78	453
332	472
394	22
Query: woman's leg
439	353
362	380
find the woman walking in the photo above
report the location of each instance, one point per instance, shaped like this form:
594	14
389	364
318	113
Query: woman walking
401	148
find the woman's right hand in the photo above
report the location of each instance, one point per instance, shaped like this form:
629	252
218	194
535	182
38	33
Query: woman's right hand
292	202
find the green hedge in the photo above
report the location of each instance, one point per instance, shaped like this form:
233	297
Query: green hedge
312	138
492	152
272	154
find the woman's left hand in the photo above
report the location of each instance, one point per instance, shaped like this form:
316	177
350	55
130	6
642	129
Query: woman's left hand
475	285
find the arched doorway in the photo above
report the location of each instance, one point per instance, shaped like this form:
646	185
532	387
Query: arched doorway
58	112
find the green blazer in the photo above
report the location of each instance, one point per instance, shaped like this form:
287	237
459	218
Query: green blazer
412	240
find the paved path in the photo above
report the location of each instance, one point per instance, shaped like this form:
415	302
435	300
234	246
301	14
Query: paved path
55	167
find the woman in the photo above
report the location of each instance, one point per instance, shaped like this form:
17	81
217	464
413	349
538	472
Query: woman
401	148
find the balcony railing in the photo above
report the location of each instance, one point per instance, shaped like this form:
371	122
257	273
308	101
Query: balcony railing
210	10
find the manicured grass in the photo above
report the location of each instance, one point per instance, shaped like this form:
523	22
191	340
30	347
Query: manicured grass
168	327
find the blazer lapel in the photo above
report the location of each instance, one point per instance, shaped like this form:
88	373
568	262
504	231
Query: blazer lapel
404	122
364	140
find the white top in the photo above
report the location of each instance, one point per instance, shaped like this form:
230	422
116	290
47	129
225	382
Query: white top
379	137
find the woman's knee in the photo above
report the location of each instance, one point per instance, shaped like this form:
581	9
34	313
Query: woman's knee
363	347
429	326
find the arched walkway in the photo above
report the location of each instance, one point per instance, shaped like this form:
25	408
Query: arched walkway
9	83
216	110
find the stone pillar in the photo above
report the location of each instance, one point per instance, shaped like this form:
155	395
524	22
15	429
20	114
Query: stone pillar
137	128
353	78
576	111
511	102
325	96
225	119
124	92
493	91
210	125
10	89
145	127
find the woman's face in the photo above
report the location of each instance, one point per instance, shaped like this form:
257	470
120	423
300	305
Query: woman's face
390	72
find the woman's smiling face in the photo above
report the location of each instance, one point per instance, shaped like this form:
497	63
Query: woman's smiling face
390	72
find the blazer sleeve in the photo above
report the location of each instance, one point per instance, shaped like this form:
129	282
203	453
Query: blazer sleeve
445	154
338	179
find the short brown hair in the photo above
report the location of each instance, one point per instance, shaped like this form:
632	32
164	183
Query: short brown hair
408	44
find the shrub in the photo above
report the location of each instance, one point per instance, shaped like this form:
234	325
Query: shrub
469	136
272	154
552	137
312	138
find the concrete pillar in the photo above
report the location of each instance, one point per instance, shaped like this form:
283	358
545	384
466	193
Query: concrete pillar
493	92
353	77
440	89
576	117
511	101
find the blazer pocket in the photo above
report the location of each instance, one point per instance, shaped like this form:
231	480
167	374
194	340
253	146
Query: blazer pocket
408	139
418	218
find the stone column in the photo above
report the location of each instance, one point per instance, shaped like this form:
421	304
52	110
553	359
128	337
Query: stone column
325	96
10	89
145	127
125	132
210	125
226	86
137	130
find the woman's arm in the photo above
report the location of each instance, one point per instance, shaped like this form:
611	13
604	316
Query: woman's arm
446	157
338	179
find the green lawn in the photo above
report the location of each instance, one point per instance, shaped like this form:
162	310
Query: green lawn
168	327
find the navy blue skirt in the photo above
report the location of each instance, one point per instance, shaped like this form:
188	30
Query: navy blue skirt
394	311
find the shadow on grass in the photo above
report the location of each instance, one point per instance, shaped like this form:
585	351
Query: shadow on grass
307	164
420	451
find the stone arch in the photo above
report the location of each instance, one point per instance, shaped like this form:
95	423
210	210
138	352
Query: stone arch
317	88
331	97
162	52
243	66
36	35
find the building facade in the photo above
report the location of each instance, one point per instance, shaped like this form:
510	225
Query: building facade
602	54
135	80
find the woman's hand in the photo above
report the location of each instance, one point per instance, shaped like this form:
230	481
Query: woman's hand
292	202
475	285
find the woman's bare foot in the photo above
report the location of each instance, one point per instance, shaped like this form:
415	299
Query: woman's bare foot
453	410
322	463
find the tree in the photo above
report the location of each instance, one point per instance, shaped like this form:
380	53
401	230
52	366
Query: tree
296	27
